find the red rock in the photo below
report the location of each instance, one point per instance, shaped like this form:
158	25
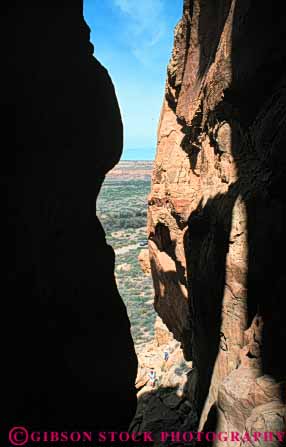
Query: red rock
216	213
144	261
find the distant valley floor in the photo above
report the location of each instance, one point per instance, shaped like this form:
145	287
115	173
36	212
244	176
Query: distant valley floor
122	210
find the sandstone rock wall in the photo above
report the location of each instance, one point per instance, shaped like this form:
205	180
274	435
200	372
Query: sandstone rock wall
216	213
67	355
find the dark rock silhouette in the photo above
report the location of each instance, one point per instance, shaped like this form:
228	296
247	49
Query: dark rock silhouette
67	355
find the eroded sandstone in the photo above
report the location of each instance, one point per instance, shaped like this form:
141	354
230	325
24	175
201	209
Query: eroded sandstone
216	216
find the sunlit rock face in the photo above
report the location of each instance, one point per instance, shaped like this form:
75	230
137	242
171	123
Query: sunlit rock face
68	359
216	214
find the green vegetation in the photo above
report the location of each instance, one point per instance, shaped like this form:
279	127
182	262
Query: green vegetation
122	204
121	208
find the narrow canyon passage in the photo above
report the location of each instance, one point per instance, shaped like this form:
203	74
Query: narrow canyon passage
83	326
122	210
216	219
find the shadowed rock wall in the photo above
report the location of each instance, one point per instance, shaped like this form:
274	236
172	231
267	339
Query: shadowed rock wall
216	217
67	355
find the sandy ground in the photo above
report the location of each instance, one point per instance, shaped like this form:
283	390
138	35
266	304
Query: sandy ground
125	249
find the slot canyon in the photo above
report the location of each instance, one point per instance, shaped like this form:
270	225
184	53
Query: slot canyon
216	222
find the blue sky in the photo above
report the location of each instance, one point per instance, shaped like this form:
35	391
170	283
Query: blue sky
133	39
